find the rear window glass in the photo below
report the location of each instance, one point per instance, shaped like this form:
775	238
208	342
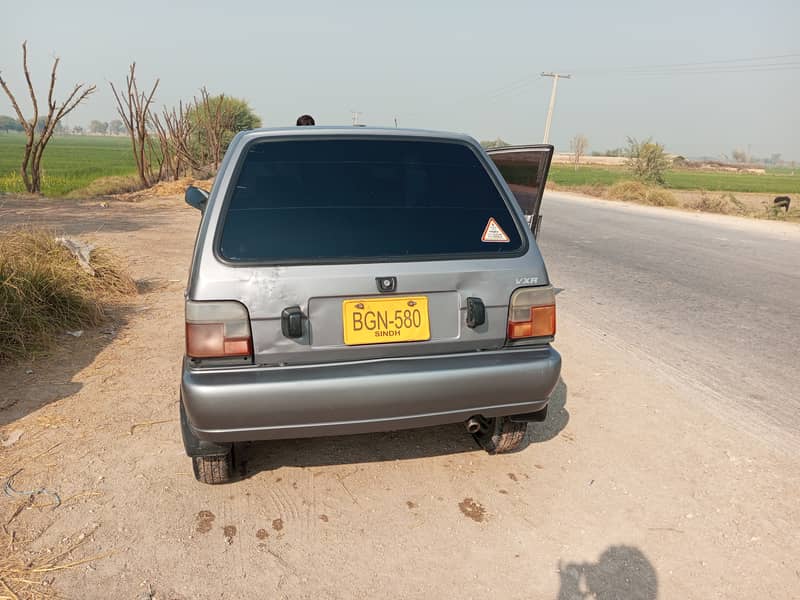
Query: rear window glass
523	170
349	199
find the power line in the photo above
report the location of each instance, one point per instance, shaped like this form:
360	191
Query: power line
686	64
736	69
515	88
733	65
523	81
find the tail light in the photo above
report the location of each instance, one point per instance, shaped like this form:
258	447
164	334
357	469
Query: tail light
217	330
532	313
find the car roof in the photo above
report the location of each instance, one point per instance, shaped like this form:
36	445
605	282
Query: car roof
358	131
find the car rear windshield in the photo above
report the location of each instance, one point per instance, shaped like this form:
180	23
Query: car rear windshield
323	200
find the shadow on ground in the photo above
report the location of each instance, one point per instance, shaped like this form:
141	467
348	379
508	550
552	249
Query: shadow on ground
621	572
30	384
409	444
557	416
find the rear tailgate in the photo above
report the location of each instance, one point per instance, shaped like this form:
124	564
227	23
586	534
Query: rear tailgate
322	299
319	225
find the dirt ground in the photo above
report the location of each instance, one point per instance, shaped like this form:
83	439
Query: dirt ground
631	489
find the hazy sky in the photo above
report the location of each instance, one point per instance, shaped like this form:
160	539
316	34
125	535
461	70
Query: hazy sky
462	66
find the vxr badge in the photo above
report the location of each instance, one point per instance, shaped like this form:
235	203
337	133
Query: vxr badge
527	280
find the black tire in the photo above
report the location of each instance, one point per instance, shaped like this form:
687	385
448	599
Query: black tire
501	435
213	469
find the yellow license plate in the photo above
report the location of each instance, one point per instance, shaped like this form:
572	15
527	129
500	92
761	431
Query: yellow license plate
385	320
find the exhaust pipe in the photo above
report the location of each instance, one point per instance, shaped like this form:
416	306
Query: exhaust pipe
474	424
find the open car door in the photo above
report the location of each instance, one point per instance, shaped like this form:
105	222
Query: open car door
525	170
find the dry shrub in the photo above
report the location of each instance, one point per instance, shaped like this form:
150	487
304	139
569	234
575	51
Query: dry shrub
724	204
45	291
108	186
660	197
631	191
635	191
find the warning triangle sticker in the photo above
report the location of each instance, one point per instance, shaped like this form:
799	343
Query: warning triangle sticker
494	233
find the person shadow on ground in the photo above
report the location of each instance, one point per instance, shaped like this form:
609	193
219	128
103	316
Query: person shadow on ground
622	572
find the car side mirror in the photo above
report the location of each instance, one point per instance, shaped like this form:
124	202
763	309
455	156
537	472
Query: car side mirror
196	198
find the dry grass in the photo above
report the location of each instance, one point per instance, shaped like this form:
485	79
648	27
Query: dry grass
28	579
164	189
660	197
635	191
724	204
108	186
630	191
44	291
779	214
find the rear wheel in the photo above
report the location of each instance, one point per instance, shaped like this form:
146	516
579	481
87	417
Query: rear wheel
213	469
501	435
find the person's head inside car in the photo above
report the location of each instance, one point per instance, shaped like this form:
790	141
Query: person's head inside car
305	120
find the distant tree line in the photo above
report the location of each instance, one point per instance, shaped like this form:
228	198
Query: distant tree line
115	127
9	124
619	152
740	156
737	155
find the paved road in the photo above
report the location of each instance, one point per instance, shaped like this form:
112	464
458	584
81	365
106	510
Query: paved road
711	303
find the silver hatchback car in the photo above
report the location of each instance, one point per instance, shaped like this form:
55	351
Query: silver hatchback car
349	280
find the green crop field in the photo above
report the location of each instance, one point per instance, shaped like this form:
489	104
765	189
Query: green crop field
70	162
73	162
778	181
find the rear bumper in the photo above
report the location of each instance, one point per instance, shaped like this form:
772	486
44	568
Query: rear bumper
259	403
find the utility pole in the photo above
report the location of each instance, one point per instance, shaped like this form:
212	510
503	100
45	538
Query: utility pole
556	77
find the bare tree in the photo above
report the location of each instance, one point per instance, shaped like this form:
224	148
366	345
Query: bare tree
180	128
174	136
739	155
578	145
214	118
31	168
154	157
166	147
134	110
